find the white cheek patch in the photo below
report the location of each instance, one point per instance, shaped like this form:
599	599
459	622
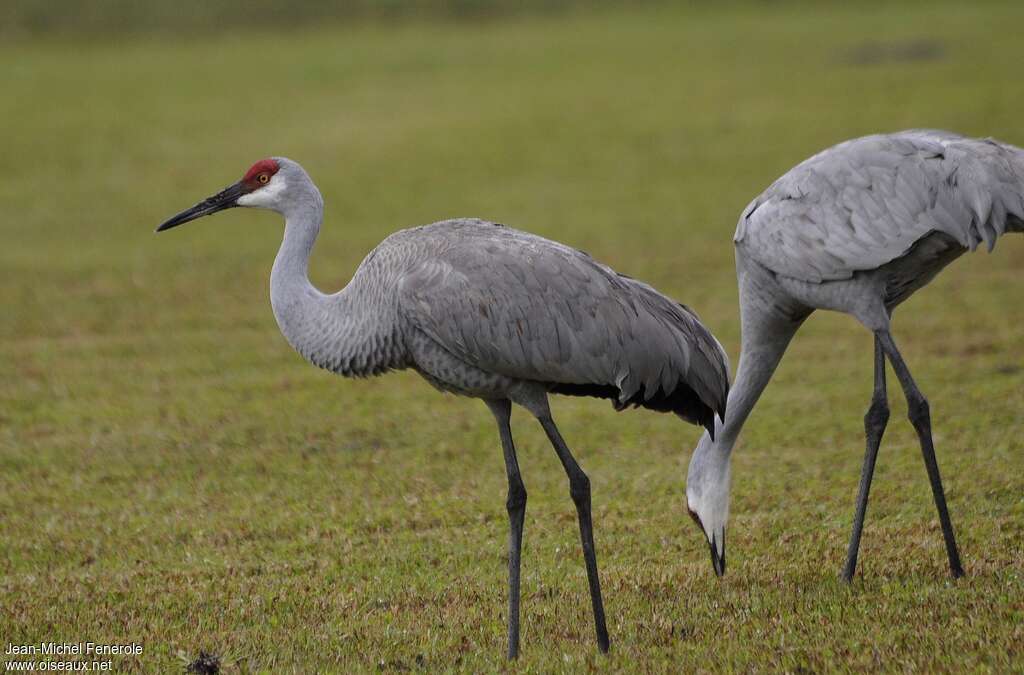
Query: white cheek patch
266	196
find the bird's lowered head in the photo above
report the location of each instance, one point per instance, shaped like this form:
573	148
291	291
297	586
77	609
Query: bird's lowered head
707	494
275	183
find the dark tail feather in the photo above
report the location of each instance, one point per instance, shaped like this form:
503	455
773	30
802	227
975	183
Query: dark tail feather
683	401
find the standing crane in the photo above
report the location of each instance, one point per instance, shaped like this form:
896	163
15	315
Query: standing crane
483	310
857	229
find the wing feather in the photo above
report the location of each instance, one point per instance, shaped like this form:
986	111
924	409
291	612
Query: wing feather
866	202
529	308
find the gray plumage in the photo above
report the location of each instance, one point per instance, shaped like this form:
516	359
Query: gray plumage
527	308
484	310
519	307
866	202
857	229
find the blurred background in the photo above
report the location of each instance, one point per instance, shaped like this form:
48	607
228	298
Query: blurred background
171	472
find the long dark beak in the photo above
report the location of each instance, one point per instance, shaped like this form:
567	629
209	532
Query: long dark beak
717	561
225	199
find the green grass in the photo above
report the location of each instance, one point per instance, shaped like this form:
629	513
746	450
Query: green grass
172	473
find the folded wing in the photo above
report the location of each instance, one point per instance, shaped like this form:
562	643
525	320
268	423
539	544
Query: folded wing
526	307
866	202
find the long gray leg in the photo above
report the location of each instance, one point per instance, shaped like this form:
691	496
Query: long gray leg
920	417
579	490
515	503
874	426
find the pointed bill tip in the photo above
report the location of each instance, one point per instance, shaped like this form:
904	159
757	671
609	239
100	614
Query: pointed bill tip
225	199
197	211
719	565
717	559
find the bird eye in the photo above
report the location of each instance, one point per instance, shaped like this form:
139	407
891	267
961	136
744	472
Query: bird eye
263	178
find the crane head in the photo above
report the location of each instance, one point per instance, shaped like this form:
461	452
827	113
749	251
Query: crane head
707	496
260	186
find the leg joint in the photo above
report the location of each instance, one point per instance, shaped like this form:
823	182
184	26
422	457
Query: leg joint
516	497
877	415
579	488
918	409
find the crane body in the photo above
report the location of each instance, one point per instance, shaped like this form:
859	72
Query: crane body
857	229
487	311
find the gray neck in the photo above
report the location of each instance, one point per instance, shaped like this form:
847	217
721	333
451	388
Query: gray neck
764	342
347	332
292	295
756	367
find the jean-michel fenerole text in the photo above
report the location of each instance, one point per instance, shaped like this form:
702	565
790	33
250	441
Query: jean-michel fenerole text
73	649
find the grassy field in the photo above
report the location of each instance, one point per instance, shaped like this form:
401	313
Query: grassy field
171	473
